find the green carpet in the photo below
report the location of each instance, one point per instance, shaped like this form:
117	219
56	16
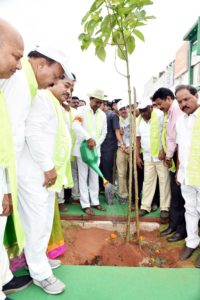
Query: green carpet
120	283
111	210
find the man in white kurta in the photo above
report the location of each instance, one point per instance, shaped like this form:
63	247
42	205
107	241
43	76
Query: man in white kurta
187	98
153	165
89	124
36	198
22	89
11	51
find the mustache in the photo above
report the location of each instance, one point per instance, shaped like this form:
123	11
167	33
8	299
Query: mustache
185	107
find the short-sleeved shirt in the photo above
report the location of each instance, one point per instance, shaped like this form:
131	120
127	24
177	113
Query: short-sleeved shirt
110	142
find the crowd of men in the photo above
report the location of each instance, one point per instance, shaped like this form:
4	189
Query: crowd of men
42	129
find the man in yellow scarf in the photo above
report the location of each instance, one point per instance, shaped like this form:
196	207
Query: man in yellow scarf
188	141
11	52
149	133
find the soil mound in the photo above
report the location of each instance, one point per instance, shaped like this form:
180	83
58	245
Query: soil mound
94	246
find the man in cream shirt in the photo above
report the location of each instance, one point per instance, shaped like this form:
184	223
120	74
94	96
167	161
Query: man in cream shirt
149	133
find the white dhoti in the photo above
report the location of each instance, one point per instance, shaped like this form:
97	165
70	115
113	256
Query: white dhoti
191	196
88	185
36	208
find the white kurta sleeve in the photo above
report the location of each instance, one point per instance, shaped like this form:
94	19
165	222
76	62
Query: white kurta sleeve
37	141
77	125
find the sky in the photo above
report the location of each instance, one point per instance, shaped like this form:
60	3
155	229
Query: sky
59	23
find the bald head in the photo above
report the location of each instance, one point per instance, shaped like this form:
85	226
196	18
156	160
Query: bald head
11	49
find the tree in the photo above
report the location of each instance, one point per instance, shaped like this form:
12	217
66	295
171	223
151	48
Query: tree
116	23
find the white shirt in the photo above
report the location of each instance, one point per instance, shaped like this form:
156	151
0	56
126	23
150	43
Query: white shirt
184	127
18	99
81	128
125	125
143	130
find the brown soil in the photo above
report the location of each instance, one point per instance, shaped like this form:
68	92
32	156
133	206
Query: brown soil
94	246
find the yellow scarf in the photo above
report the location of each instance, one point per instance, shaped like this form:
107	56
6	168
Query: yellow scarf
154	134
7	160
62	150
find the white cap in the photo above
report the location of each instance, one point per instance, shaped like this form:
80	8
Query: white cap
57	55
144	103
98	94
121	104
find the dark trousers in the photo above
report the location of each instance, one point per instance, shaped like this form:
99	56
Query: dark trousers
107	164
177	209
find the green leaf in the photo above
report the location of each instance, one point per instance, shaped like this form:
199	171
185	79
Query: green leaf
86	41
116	36
100	52
96	5
91	26
81	36
95	16
124	10
98	42
85	17
139	34
150	18
106	23
130	44
121	52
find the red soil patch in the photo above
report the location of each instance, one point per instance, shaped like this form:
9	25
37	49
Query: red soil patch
102	247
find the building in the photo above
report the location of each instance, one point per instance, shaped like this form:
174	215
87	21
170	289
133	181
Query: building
185	69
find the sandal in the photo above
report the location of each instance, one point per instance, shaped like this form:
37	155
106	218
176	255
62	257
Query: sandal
99	207
88	211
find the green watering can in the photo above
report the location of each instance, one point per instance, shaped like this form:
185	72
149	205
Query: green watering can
90	157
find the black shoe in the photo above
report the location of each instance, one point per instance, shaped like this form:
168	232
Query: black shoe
17	284
143	212
8	298
197	265
167	231
186	253
175	237
164	214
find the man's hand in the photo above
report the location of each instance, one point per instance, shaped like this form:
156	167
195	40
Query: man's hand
122	147
127	150
91	144
139	162
49	178
7	205
168	162
161	154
